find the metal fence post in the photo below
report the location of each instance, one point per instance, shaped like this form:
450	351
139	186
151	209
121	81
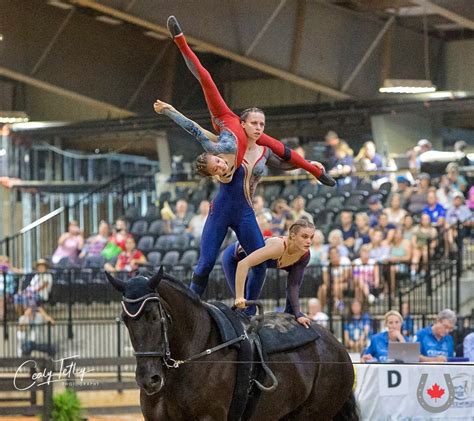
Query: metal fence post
5	309
70	333
119	352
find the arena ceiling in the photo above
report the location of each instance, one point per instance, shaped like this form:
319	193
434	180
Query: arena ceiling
115	57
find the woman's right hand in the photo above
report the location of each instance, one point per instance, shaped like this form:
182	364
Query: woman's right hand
366	357
159	106
239	302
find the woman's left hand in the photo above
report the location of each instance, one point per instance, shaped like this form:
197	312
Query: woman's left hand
239	302
303	320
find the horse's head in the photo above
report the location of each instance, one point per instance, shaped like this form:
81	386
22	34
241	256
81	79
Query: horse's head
147	323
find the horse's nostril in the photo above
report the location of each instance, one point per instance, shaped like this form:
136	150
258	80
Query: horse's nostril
155	379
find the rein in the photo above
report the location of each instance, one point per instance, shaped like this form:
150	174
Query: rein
165	354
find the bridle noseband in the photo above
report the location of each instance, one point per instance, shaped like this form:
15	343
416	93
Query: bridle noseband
165	354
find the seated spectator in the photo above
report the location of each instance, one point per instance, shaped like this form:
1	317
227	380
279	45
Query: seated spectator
69	246
96	243
375	210
435	211
339	275
457	216
456	180
423	242
332	142
335	239
399	258
403	190
280	213
318	254
356	328
343	164
362	232
408	326
368	159
116	242
387	228
129	260
378	349
365	274
348	229
408	227
316	314
379	251
32	332
436	345
178	220
260	209
298	211
37	292
196	224
418	198
395	213
445	192
468	347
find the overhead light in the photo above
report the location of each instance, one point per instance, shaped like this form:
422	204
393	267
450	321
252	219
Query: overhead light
156	35
60	4
109	20
407	86
10	117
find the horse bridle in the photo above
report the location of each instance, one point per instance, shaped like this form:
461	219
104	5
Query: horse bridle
165	354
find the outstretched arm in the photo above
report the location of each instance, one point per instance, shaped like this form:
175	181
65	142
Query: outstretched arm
293	285
272	249
207	139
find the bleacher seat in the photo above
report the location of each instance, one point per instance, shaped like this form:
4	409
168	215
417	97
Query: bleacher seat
181	242
289	192
146	243
156	228
139	228
165	242
171	258
309	191
189	258
335	203
272	192
354	203
132	214
152	213
154	258
94	262
316	204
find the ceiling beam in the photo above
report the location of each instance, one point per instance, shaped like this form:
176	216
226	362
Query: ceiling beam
247	61
63	92
448	14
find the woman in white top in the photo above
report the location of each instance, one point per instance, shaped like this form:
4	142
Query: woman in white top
395	213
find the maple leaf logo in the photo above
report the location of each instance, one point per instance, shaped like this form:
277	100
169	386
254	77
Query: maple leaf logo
435	392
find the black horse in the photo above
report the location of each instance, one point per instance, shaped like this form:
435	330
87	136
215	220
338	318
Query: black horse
168	324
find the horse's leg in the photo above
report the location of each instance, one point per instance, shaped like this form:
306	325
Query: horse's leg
152	407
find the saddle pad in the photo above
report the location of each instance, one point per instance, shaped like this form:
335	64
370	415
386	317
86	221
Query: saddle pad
280	332
227	330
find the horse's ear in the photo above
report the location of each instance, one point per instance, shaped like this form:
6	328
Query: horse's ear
116	283
156	279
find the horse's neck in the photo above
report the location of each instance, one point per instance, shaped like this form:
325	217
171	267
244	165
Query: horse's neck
191	324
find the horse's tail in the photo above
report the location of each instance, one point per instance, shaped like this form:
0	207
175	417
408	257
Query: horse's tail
349	411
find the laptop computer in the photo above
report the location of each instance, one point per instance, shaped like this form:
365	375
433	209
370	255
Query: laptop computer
405	352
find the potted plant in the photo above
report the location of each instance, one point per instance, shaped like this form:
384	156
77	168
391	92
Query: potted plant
66	406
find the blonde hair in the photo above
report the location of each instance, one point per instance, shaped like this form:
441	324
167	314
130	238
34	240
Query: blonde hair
201	165
363	151
298	224
392	313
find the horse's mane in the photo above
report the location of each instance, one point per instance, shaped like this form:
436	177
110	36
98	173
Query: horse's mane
181	287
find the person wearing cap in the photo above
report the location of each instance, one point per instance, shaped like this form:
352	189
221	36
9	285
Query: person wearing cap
39	288
423	145
375	209
404	189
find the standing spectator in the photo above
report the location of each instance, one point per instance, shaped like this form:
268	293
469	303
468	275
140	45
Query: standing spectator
316	314
395	212
378	250
318	254
95	243
378	349
69	245
423	146
365	274
457	181
399	258
335	239
332	141
129	260
423	242
419	195
38	290
348	229
434	210
356	328
31	333
339	273
298	211
196	224
178	223
436	344
362	233
408	326
375	210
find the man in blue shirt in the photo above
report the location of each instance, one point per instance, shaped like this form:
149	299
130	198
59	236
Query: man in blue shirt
435	342
436	212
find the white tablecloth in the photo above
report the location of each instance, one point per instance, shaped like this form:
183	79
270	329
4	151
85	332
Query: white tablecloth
415	392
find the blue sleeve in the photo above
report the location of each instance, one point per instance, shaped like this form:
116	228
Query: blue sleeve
420	338
371	349
450	347
442	212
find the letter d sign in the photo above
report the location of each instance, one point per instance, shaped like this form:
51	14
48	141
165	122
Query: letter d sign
394	378
393	382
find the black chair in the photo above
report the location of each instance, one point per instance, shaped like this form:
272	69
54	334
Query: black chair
189	258
354	203
132	213
290	192
181	242
156	228
171	258
146	243
165	242
309	191
139	228
154	258
272	192
335	203
316	204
